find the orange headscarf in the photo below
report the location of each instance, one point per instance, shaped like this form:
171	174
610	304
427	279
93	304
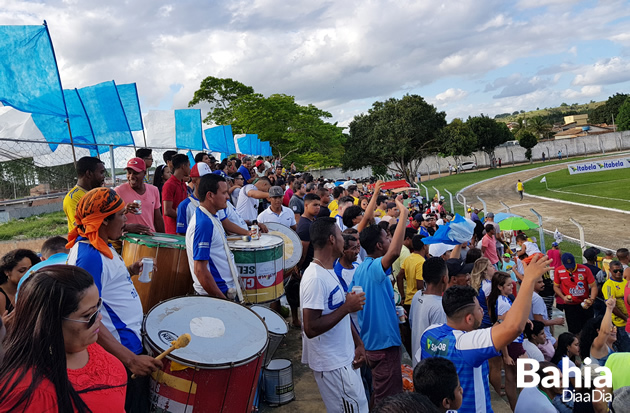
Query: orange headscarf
531	257
92	210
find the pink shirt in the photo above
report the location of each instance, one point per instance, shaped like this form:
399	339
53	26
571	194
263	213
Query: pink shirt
491	249
555	258
150	202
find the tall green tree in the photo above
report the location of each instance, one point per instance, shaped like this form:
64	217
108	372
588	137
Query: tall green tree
398	132
489	133
219	93
295	132
623	117
606	112
527	140
539	127
457	140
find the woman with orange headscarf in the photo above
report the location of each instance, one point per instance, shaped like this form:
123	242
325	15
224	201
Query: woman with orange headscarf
100	217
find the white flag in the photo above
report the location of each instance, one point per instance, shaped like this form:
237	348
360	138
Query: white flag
543	180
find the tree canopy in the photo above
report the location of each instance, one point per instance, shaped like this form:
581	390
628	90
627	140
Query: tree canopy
397	131
489	133
623	117
219	93
457	140
605	112
527	140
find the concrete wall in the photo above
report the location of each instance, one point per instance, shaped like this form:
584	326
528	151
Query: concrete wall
581	146
24	211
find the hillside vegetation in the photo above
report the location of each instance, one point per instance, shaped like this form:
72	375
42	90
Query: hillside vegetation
551	115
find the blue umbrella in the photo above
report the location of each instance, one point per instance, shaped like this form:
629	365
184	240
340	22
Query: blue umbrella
500	216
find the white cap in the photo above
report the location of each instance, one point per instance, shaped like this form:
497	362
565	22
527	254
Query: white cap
437	250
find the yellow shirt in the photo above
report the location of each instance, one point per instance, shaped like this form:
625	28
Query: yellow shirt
70	202
413	272
356	201
519	186
397	265
616	290
379	213
334	207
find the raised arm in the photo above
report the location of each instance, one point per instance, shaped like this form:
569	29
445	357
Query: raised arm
369	212
397	240
598	348
515	319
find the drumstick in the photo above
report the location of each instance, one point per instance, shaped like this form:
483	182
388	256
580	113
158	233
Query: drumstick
182	341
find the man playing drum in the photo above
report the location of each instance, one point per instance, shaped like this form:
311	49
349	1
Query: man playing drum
100	216
143	218
211	262
277	212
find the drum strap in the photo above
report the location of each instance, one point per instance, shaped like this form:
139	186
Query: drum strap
228	253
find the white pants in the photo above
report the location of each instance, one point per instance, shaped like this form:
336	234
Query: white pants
342	390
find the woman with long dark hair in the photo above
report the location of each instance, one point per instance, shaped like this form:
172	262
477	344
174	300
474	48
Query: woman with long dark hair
498	306
161	175
52	361
13	266
598	336
569	347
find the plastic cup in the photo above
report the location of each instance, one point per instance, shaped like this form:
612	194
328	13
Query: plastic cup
400	312
357	289
147	270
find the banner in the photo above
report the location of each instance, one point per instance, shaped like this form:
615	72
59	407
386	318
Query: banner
597	166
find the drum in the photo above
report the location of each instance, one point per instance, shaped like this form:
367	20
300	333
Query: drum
278	382
218	370
277	327
292	243
171	277
260	265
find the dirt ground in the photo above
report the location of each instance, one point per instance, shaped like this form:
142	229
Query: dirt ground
604	228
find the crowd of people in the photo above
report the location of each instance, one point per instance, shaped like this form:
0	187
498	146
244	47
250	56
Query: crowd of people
372	283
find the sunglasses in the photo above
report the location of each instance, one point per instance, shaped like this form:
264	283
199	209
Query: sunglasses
616	271
90	322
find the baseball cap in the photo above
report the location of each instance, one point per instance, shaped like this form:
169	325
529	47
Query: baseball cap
507	255
275	191
418	218
428	216
199	169
456	266
490	215
554	244
137	164
258	163
437	250
591	253
568	260
212	159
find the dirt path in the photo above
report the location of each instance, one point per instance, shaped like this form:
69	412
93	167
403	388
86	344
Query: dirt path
604	228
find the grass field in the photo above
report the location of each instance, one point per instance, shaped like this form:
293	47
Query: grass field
606	188
45	225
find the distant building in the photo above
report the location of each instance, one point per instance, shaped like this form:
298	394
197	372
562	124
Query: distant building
574	132
576	120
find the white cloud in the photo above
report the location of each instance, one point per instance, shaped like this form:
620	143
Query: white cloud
450	95
608	71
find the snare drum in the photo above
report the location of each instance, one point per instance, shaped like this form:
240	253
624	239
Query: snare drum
171	277
260	265
277	327
218	370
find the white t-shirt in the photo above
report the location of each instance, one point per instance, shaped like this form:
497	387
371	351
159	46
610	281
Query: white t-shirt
533	351
503	306
540	308
247	207
530	248
321	290
426	310
532	400
286	217
232	215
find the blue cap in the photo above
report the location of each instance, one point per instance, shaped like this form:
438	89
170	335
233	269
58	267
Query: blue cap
568	260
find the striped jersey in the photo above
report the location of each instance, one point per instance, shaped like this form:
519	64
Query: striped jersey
470	352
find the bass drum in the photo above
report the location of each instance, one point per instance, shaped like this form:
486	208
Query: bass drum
218	371
292	243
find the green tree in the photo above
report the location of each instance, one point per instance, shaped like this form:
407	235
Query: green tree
527	140
219	93
623	117
457	140
606	112
397	131
539	127
295	132
489	133
521	124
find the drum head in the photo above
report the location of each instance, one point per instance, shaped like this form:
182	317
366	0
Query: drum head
278	364
274	321
292	243
223	334
266	241
160	240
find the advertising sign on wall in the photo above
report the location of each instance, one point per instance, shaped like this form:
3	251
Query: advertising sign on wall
597	166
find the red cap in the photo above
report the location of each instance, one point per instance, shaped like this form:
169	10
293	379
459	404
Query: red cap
137	164
258	163
199	169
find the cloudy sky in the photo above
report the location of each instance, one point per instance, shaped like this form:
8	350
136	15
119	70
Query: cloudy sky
464	56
